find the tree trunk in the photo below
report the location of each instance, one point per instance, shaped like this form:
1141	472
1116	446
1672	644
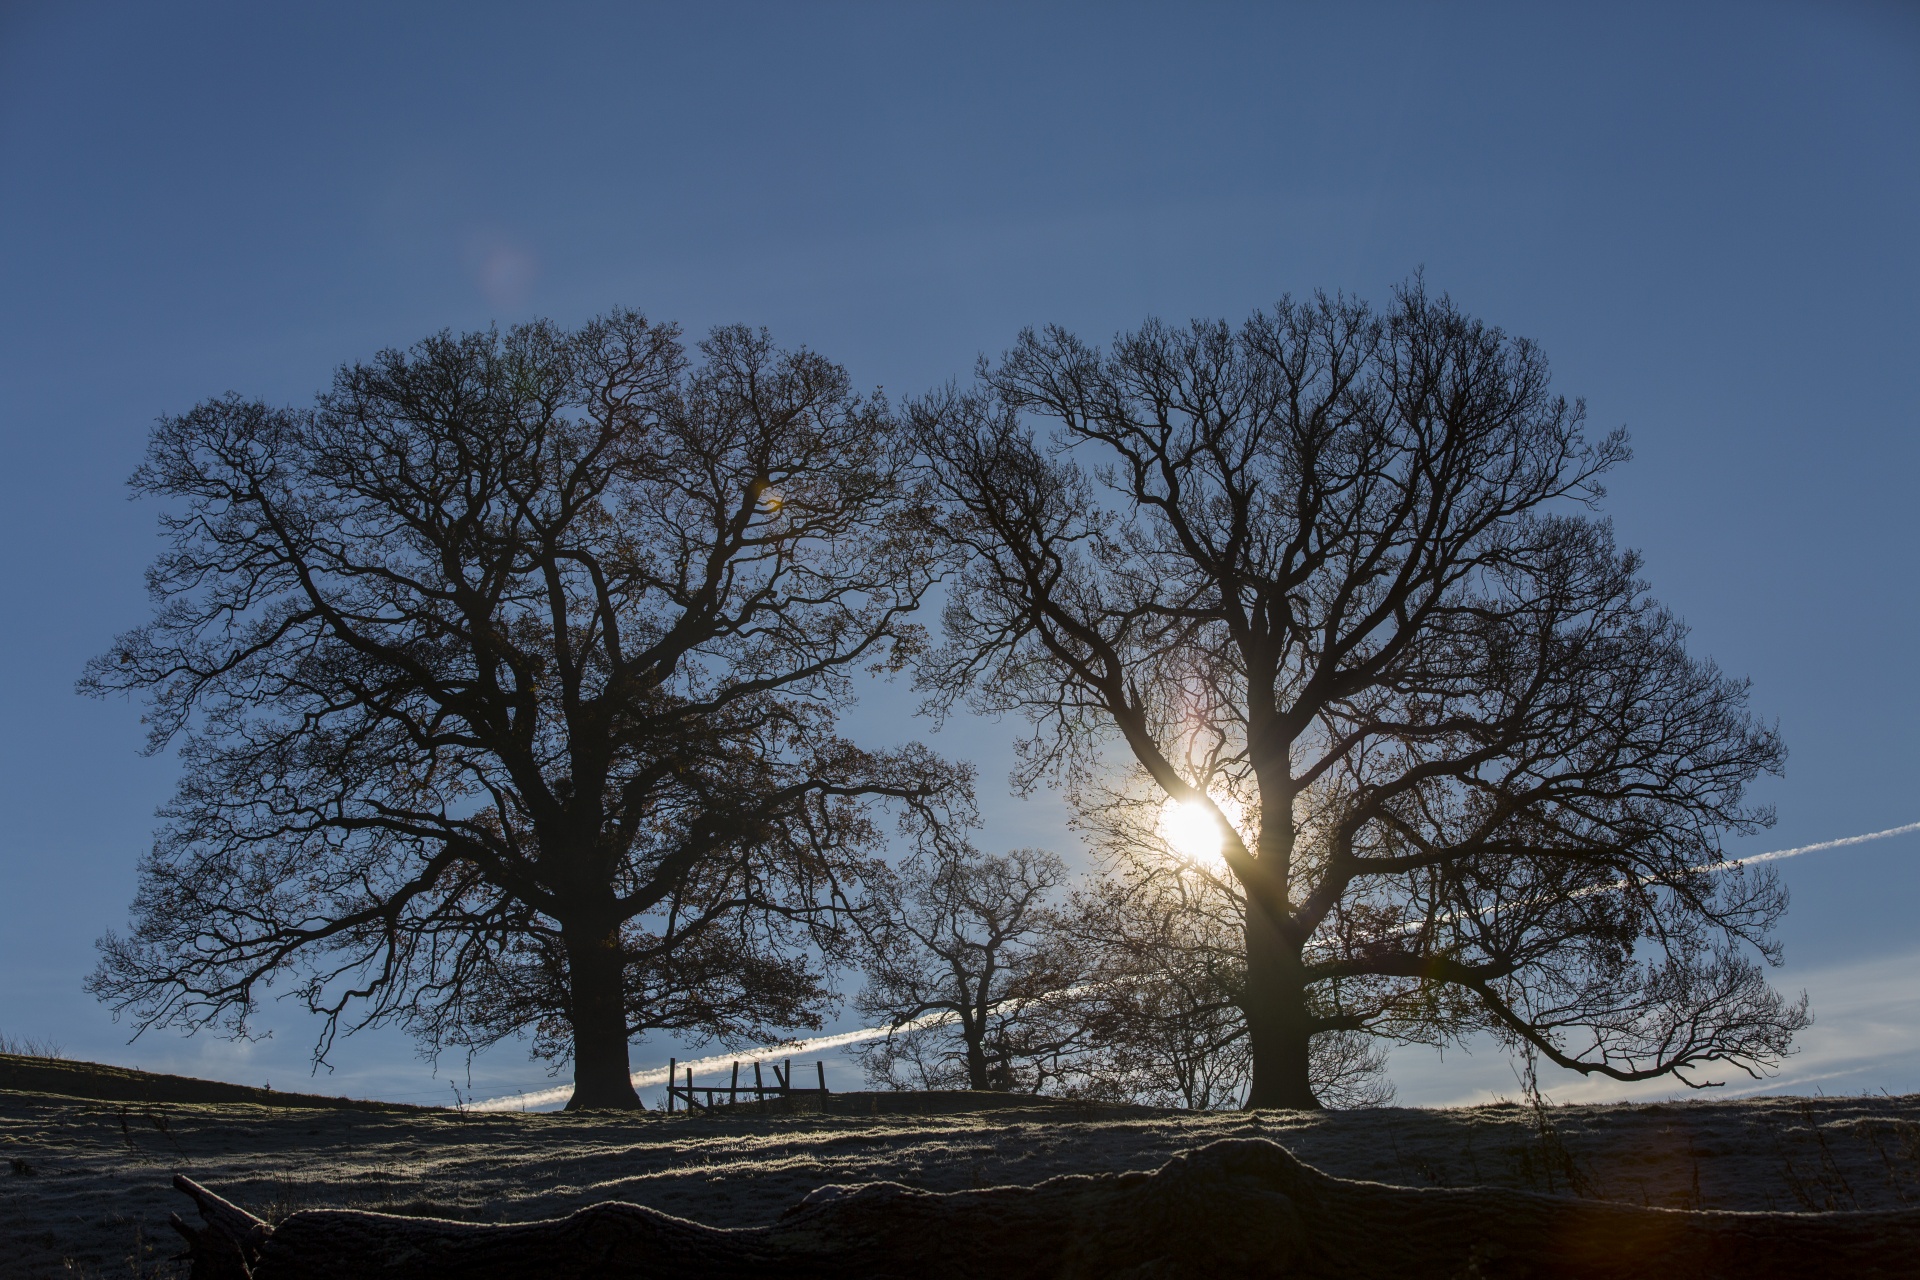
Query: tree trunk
977	1077
1236	1208
602	1074
1278	1029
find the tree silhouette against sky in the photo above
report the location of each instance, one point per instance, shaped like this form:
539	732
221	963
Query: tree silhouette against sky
505	681
1329	577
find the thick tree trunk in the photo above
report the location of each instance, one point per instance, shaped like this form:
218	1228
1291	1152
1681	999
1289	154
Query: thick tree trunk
1237	1208
602	1074
977	1077
1278	1029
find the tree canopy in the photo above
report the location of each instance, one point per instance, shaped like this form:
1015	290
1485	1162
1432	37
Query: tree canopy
1331	577
970	968
505	679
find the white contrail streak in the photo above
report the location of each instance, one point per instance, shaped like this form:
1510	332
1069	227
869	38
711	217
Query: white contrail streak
658	1075
1730	864
1824	844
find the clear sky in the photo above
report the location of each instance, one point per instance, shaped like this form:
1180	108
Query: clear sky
1706	214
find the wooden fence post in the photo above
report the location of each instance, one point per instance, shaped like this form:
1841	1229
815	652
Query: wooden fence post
672	1063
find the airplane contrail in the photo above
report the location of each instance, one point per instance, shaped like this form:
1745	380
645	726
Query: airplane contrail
1730	864
1824	844
658	1075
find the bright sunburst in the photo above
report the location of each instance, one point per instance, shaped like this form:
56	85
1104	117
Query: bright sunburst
1191	830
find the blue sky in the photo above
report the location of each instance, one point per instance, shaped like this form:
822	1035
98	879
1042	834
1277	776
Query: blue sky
1705	214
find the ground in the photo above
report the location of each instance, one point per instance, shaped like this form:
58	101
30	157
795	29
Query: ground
88	1191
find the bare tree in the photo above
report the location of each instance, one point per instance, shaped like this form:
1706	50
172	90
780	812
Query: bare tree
1328	578
505	682
969	970
1162	1015
1161	939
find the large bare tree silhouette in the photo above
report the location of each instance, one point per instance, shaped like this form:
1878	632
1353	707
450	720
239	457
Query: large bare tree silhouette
1328	576
505	680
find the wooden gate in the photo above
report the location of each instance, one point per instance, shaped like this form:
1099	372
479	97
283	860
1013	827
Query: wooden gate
707	1097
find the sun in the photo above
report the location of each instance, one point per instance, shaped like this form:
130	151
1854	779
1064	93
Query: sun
1192	830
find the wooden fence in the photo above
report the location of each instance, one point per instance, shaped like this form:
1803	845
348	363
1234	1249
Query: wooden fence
721	1095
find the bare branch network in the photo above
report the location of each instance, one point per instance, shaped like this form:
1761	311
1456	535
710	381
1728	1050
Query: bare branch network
1329	577
506	679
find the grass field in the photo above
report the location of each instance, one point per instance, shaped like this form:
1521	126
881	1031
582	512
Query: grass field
85	1191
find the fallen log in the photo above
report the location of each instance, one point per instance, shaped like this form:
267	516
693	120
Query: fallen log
1234	1208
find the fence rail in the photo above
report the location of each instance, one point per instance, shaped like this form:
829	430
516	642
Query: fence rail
726	1095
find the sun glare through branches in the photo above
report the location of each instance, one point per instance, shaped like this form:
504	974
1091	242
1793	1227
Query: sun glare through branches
1192	831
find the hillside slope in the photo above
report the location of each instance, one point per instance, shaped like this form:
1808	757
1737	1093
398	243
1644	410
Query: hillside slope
95	1080
96	1195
